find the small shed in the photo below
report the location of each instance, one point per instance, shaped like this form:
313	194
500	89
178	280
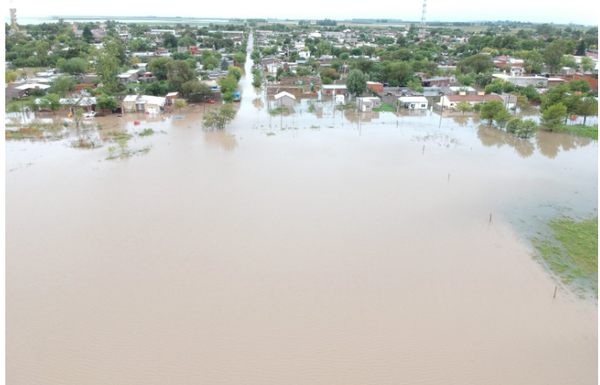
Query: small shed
340	99
414	102
285	99
372	101
171	96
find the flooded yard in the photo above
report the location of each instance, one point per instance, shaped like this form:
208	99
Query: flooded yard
323	247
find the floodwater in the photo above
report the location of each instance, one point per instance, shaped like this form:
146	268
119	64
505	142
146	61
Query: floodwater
342	249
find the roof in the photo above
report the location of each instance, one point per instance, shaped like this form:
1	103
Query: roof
172	95
151	100
32	86
473	98
130	98
413	99
282	94
334	87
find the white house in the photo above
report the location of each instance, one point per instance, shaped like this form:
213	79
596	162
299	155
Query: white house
368	103
414	102
285	99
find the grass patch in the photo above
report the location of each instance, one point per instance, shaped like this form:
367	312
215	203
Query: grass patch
385	108
344	107
146	132
278	111
572	250
587	131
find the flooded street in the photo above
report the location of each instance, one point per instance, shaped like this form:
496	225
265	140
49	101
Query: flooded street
323	247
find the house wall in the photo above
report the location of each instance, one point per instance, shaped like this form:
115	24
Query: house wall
375	87
527	81
128	106
285	101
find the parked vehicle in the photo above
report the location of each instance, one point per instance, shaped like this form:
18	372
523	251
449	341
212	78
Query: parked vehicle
210	101
91	114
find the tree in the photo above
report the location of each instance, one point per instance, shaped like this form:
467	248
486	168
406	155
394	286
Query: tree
10	76
159	67
63	84
239	58
490	109
186	41
568	61
528	129
587	107
235	71
478	63
463	106
179	72
580	85
224	64
194	91
50	101
228	97
74	66
218	118
397	71
415	84
356	82
179	104
169	40
495	87
255	56
502	118
554	52
228	84
107	68
160	88
514	126
78	117
531	93
581	48
87	34
587	64
106	103
553	116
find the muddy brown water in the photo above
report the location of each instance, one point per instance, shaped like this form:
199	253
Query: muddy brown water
335	251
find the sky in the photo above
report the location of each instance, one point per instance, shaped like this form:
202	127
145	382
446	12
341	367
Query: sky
552	11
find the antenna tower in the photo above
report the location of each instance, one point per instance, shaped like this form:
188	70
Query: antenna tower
422	26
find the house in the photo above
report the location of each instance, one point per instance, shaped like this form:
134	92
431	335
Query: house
285	99
335	89
462	90
150	104
130	76
25	88
450	101
363	103
413	102
340	99
170	98
375	86
129	103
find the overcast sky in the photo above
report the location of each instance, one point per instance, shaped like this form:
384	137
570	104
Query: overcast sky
581	12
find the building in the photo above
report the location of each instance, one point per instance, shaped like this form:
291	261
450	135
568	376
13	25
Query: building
450	101
170	98
285	99
335	89
368	103
129	103
414	102
25	88
375	86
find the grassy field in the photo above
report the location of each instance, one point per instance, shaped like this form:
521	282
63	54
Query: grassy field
589	131
385	108
572	251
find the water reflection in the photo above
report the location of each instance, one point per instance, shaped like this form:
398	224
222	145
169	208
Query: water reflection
258	103
220	139
549	144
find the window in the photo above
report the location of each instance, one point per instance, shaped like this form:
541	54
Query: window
422	105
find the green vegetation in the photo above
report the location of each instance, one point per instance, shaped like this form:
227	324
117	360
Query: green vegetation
385	108
589	131
146	132
278	111
218	118
572	251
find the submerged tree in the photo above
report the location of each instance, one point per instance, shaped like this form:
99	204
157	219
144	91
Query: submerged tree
219	117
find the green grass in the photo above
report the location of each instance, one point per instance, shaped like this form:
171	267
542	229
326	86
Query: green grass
278	111
572	250
588	131
385	108
146	132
